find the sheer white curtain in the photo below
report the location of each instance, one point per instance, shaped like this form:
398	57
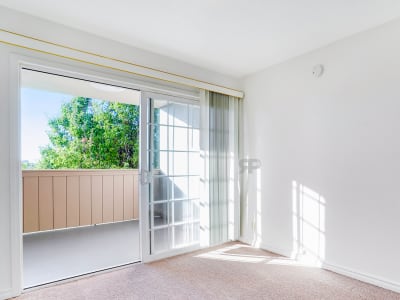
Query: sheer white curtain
219	144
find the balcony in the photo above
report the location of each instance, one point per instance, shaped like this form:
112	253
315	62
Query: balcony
78	221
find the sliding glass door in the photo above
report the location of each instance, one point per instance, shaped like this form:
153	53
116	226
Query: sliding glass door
170	169
79	179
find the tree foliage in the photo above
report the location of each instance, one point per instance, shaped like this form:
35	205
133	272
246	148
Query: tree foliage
92	134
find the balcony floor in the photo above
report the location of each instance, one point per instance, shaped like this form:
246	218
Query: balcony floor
55	255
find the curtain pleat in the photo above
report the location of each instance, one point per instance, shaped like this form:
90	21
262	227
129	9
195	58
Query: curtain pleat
219	147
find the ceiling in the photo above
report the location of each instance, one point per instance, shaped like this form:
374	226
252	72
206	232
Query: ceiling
233	37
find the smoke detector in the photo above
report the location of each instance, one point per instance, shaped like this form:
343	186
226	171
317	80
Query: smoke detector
318	70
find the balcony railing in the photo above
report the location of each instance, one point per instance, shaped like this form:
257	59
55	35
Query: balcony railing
56	199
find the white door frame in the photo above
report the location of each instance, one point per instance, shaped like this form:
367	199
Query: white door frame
17	63
146	176
59	66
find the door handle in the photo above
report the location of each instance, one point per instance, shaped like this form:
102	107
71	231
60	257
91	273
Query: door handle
145	177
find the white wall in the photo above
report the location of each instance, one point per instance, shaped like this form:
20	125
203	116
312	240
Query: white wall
338	139
9	277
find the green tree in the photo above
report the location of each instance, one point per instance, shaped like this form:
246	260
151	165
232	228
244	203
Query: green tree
92	134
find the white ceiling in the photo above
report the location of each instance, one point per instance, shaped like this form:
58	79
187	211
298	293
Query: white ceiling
234	37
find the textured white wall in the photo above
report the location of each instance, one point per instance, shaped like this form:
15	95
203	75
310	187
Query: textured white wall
332	145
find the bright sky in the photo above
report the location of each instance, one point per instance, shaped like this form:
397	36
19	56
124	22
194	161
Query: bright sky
37	106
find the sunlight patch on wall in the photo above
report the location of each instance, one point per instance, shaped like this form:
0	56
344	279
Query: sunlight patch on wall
308	217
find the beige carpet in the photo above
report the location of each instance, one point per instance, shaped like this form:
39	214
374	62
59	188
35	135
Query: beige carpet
231	271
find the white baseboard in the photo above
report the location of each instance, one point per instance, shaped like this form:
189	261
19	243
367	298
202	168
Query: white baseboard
244	240
383	283
277	250
267	247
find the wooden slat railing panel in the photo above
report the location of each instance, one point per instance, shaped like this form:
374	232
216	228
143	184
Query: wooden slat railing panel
46	203
54	199
85	200
97	199
136	197
128	197
60	202
108	199
118	198
31	204
72	201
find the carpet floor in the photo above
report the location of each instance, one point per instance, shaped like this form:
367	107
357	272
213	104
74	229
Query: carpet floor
230	271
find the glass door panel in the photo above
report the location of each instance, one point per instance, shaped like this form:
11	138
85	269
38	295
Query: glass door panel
172	161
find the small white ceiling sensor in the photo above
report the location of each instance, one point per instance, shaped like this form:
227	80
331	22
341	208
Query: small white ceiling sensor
318	70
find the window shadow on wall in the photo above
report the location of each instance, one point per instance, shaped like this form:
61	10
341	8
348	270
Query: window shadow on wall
308	216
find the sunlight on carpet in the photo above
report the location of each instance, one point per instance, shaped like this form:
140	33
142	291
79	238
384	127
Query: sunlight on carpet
224	254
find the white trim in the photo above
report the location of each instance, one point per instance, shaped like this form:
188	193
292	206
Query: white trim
79	277
244	240
49	48
77	70
274	249
171	253
267	247
374	280
7	294
371	279
177	98
144	187
15	178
